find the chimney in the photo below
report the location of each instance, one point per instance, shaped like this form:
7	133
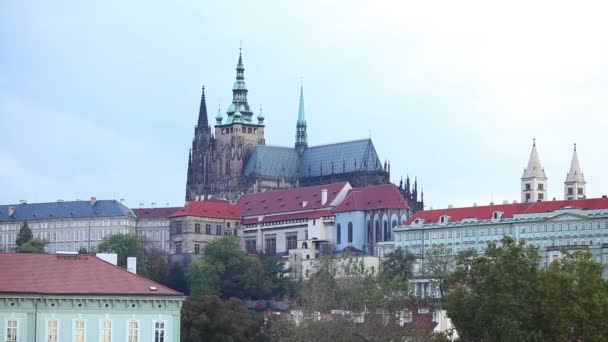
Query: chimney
505	202
323	196
514	201
11	211
450	206
475	204
132	264
604	196
492	203
93	200
23	201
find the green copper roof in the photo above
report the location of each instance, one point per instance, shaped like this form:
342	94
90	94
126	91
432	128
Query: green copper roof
301	116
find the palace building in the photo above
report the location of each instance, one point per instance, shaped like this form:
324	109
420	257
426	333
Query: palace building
234	159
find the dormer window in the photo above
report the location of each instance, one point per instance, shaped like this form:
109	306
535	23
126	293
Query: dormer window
444	219
497	215
418	221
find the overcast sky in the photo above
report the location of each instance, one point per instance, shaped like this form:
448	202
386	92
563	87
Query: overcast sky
99	98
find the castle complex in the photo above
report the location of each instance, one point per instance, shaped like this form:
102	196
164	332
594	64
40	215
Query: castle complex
235	160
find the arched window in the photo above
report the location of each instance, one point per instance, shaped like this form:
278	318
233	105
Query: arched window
387	233
378	232
350	232
370	233
228	159
304	245
338	234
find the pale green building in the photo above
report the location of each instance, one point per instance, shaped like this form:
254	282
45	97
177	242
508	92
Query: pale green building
78	298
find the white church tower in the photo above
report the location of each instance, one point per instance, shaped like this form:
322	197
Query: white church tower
534	181
574	186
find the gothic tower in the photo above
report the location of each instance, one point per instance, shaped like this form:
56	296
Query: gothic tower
200	176
301	135
534	181
575	185
236	137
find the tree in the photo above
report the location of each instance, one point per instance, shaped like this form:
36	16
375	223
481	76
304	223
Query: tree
32	246
177	278
158	267
492	296
573	295
125	245
25	235
438	266
211	319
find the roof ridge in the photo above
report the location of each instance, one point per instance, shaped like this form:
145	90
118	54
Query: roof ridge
135	274
341	142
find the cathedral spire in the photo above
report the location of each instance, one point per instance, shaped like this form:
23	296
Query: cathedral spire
534	181
574	186
301	135
202	112
239	110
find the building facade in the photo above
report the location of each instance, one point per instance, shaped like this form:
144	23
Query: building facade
68	226
152	227
198	223
277	222
81	298
552	226
235	160
367	216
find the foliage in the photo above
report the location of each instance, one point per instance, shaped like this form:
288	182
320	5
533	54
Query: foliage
24	235
438	265
125	245
177	278
227	272
573	295
32	246
211	319
491	296
158	268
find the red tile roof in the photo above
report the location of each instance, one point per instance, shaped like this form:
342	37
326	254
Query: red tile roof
212	208
485	212
386	196
289	200
154	213
69	275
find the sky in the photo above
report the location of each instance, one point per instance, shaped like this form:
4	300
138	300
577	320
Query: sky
100	98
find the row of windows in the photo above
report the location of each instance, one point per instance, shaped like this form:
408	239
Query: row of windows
247	130
78	331
339	233
178	228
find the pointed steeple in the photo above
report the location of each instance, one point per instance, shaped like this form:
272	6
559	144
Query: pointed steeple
301	134
575	184
534	186
575	174
202	112
239	110
534	169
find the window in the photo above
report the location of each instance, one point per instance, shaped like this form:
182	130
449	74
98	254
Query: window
106	331
78	330
178	227
178	248
292	242
378	232
541	186
51	330
271	246
541	197
338	234
387	232
570	191
527	197
197	248
350	232
528	187
11	330
197	228
250	245
218	229
159	332
580	191
208	229
133	331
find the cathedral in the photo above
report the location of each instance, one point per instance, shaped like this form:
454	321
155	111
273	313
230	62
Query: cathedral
234	159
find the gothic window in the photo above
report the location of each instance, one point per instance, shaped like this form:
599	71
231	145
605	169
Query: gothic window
387	233
338	234
370	233
228	159
378	232
350	232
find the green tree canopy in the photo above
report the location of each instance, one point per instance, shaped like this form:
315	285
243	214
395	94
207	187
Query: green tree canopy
25	235
492	296
32	246
211	319
573	295
226	271
125	245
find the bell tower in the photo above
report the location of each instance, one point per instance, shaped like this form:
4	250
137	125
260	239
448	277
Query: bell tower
534	181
